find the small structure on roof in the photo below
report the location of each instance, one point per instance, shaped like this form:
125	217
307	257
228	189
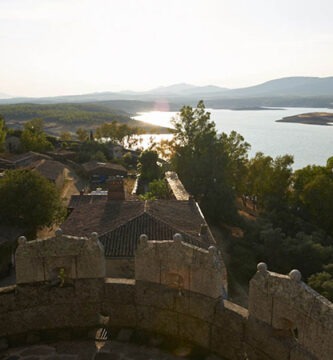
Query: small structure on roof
99	172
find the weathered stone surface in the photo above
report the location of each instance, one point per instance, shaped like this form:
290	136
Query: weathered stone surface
181	266
121	315
194	330
78	257
294	311
158	320
120	291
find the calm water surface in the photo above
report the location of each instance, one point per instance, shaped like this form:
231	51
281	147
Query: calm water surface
310	144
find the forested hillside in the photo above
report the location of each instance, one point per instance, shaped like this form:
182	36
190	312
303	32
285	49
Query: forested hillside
70	116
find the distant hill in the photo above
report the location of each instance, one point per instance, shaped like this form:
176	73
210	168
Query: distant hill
289	91
290	86
69	117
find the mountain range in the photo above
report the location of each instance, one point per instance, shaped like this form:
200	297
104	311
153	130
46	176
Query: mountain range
289	91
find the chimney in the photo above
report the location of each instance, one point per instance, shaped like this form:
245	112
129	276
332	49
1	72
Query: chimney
116	189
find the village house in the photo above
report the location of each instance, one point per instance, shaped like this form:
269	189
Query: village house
54	171
17	161
120	222
99	172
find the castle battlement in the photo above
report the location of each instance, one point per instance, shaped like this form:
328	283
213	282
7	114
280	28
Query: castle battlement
286	319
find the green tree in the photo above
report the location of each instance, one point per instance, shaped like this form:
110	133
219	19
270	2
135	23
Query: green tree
236	149
118	133
201	160
3	133
29	200
323	281
148	167
82	134
159	189
66	136
313	195
329	163
33	137
99	156
269	179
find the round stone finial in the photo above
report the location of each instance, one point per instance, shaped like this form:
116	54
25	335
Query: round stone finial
262	267
143	238
177	238
22	240
94	235
58	233
295	275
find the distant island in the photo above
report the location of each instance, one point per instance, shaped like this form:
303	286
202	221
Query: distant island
314	118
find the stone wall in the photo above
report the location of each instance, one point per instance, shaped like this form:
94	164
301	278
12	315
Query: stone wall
177	293
217	325
75	257
119	267
287	315
179	265
192	317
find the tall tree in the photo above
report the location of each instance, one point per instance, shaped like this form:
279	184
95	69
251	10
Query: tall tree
202	162
269	179
33	137
29	200
147	166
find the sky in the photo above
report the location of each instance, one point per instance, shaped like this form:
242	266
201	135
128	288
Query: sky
61	47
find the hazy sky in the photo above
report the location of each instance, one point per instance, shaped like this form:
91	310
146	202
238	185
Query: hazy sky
55	47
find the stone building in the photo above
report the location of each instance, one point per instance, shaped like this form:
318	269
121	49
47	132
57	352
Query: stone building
99	172
52	170
120	224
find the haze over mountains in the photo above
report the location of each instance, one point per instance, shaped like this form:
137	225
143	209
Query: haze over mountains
290	91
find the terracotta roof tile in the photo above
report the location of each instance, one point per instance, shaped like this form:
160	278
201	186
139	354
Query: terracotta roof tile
120	223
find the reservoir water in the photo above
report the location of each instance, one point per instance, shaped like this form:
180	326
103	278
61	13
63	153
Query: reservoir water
309	144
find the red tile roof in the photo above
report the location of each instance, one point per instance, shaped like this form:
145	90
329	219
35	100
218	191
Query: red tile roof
120	223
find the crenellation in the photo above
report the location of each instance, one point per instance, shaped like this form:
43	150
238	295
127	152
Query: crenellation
175	291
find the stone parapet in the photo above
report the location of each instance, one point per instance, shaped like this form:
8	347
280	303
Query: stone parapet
294	331
296	315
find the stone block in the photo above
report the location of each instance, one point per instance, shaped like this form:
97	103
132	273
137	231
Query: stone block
260	304
196	305
298	353
226	344
194	330
89	289
156	295
157	320
272	343
119	292
121	315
